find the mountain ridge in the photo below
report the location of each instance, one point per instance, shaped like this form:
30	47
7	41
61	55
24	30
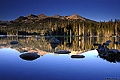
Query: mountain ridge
42	16
31	18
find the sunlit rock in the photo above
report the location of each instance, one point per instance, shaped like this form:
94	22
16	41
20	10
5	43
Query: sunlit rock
29	56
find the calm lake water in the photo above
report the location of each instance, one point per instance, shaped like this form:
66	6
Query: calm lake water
51	66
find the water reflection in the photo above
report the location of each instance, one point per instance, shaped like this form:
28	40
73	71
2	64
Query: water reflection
42	45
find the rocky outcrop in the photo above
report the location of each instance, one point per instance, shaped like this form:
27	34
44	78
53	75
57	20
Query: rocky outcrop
21	18
75	17
42	16
57	16
31	16
111	55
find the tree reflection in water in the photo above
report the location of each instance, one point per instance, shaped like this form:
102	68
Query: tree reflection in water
76	45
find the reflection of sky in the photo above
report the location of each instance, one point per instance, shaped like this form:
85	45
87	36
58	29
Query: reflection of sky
55	67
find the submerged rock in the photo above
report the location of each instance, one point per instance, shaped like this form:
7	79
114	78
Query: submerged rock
105	48
37	38
96	44
54	41
63	52
111	55
29	56
25	51
4	36
92	48
79	39
108	41
117	42
77	56
13	42
54	46
101	49
114	50
106	44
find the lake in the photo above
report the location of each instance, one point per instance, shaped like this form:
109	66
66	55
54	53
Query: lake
53	66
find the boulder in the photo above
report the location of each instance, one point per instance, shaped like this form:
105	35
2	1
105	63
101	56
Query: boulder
54	41
63	52
37	38
114	50
25	50
106	44
54	46
29	56
96	44
108	41
105	48
77	56
13	42
117	42
92	48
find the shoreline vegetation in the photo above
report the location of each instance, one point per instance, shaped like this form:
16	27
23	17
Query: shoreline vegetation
74	25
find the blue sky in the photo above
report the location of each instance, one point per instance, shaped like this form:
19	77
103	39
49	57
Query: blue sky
98	10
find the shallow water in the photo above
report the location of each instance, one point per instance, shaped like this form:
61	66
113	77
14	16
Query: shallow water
51	66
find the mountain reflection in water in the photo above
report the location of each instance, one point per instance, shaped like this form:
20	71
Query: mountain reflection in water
42	46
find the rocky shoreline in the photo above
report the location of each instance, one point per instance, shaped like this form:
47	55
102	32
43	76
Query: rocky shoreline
111	55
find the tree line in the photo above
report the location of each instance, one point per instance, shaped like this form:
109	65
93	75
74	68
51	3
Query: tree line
54	26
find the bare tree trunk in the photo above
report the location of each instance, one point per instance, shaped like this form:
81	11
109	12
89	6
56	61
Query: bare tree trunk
70	33
83	29
116	29
56	27
98	30
70	36
79	30
74	28
44	28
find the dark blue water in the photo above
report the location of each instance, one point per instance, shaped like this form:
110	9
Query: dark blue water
56	67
